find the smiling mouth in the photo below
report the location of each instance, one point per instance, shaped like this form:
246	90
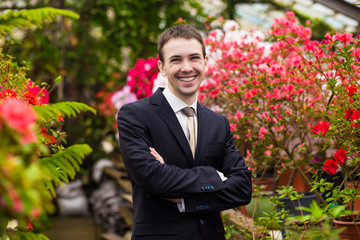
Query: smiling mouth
187	79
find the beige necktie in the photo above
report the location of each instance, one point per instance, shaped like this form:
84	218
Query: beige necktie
189	112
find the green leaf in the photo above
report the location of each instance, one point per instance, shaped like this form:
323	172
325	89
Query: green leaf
64	164
31	18
68	109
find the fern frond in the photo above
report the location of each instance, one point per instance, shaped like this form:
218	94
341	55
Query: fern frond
64	165
65	109
31	18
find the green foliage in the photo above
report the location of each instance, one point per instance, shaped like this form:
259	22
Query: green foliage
64	164
26	235
31	169
68	109
31	18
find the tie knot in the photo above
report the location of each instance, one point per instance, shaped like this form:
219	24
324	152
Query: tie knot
188	111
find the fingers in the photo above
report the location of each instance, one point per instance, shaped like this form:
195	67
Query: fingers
156	155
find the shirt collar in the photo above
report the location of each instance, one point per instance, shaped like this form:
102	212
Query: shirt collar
176	103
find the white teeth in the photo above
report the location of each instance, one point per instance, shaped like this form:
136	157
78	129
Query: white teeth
187	79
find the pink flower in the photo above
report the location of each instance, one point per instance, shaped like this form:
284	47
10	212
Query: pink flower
18	205
40	94
19	116
262	132
322	128
340	156
248	135
344	37
267	153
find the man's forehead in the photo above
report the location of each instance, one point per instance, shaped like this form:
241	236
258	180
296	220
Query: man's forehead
181	47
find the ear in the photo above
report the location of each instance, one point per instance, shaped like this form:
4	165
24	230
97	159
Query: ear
161	68
206	63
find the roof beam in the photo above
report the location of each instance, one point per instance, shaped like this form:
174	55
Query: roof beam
343	7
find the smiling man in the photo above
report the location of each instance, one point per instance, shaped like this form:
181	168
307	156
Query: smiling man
180	155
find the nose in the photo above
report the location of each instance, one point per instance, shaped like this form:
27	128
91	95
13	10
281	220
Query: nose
186	66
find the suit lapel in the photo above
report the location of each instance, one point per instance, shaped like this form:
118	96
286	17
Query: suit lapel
165	111
203	130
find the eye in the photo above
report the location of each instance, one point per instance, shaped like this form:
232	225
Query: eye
195	58
175	60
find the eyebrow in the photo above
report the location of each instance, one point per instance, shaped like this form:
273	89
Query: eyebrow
180	56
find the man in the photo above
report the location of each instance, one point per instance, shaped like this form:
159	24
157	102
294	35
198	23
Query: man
178	192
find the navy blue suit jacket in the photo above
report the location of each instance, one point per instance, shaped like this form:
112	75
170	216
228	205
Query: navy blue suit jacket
151	122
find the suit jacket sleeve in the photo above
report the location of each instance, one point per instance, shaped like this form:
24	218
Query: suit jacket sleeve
238	186
146	172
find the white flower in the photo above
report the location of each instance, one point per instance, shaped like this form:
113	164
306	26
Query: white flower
236	36
123	97
107	146
230	25
12	224
259	35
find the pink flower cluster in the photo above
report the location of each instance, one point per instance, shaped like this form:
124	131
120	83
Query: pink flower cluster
270	84
141	77
283	90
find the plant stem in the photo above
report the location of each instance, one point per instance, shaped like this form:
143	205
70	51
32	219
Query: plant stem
309	183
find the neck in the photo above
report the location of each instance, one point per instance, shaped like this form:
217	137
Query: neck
187	99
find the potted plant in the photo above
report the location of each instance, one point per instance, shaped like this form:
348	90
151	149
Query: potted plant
270	100
293	104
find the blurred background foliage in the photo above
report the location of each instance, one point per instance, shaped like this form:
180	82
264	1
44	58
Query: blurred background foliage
94	52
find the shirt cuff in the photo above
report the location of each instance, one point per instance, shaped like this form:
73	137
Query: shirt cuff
222	176
181	205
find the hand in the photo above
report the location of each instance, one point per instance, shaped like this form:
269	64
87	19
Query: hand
174	200
156	155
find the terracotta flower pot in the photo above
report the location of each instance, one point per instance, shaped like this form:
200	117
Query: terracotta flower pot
356	203
352	229
299	183
268	182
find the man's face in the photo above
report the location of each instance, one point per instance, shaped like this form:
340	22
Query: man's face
184	66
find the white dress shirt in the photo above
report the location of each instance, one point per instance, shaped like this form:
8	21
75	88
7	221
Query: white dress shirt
177	105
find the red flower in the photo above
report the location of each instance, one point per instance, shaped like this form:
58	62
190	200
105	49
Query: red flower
348	114
322	127
7	94
48	138
330	166
355	116
340	156
31	98
351	90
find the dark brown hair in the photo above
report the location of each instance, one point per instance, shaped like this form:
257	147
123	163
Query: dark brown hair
179	31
